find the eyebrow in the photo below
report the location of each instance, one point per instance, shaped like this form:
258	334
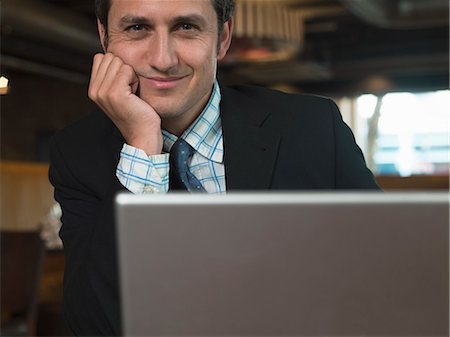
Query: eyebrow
191	18
129	19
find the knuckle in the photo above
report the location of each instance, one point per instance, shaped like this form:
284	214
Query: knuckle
91	95
98	57
125	69
92	92
102	94
109	56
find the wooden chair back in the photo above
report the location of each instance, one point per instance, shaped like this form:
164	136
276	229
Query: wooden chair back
22	256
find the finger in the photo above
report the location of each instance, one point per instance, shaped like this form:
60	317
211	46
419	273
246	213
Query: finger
116	87
96	64
120	78
103	68
104	95
101	64
134	84
127	73
110	76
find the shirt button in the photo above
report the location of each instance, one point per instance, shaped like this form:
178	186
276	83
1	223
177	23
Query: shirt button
149	189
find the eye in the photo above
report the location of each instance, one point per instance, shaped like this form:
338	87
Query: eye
135	28
186	27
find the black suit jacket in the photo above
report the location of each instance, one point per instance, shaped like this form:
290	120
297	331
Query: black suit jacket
271	140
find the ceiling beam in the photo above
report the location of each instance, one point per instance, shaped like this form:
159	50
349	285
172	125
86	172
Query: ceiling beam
39	20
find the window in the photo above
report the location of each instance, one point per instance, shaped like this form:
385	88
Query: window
405	133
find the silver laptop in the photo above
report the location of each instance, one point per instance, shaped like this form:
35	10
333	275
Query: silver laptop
284	264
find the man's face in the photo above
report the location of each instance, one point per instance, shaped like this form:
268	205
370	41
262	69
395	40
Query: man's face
173	47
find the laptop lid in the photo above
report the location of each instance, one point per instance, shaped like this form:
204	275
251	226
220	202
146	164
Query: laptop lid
308	264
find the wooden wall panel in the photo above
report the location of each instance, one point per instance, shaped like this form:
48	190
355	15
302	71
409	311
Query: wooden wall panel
26	194
414	183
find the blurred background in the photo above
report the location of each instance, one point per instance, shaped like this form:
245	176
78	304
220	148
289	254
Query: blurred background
385	62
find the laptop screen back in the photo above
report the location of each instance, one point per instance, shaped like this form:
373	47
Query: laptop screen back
284	264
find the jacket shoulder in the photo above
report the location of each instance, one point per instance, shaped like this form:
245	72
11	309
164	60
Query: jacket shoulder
86	129
271	95
88	150
282	107
279	103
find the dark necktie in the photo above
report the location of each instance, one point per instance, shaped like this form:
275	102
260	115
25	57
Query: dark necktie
180	178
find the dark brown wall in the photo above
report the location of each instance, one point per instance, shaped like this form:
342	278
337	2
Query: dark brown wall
35	108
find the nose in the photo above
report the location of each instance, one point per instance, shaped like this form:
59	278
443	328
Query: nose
161	53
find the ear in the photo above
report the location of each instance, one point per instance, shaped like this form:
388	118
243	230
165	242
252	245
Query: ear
103	35
225	38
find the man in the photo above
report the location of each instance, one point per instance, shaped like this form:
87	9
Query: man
156	87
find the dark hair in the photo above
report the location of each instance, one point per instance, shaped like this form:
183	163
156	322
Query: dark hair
224	10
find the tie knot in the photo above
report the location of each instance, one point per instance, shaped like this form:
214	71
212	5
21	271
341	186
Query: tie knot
180	152
180	176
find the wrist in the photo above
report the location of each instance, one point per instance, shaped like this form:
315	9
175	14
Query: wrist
150	143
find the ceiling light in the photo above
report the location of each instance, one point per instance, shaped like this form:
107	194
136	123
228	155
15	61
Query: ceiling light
3	85
265	30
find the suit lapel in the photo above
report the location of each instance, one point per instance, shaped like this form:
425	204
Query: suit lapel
250	151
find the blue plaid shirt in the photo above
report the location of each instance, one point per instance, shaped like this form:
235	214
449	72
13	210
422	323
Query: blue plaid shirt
140	173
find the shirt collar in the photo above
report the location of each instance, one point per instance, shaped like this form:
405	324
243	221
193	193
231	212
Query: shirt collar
205	133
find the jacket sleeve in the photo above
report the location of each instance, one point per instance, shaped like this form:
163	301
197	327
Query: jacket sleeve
351	171
81	208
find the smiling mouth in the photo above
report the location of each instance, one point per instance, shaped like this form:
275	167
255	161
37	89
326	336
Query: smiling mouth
163	83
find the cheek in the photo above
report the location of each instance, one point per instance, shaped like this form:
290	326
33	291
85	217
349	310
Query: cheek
200	57
130	58
130	53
